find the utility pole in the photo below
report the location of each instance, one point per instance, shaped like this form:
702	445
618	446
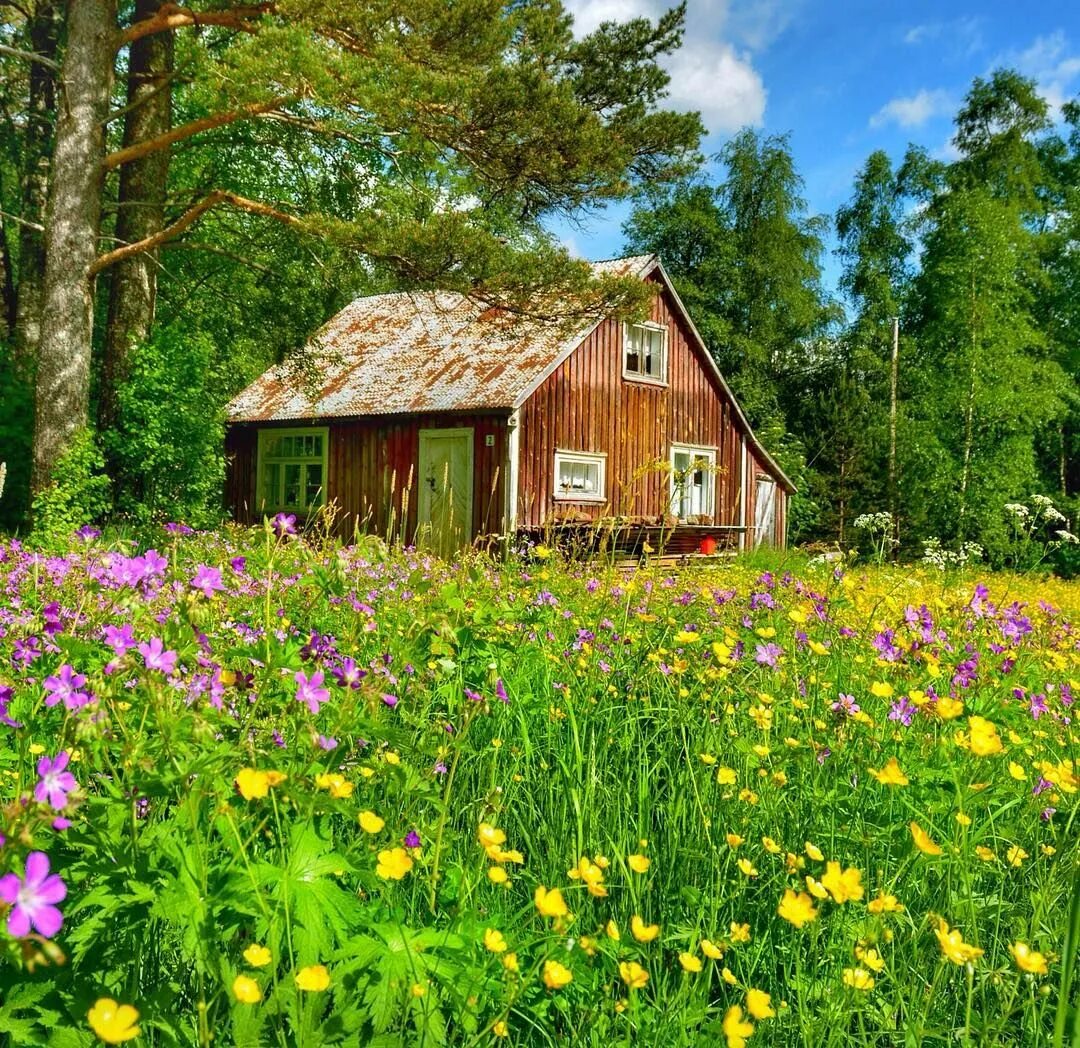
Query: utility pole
894	382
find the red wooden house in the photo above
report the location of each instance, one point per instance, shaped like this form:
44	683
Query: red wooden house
425	414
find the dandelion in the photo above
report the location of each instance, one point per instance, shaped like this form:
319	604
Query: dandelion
114	1023
312	979
556	975
736	1029
33	898
798	909
633	975
1027	959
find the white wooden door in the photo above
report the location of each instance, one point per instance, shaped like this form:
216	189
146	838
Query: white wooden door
444	509
764	511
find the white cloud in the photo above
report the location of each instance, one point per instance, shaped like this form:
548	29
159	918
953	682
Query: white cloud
964	34
719	82
713	72
1051	62
914	110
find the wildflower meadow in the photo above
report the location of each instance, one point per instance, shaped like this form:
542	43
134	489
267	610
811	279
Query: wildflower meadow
257	789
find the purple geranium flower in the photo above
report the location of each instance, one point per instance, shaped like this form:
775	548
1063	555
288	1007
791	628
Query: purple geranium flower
902	710
157	658
66	686
7	693
56	782
120	638
500	690
284	524
207	580
310	690
846	705
768	654
32	898
412	839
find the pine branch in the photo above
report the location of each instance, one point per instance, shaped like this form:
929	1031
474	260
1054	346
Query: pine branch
188	218
207	123
30	56
173	16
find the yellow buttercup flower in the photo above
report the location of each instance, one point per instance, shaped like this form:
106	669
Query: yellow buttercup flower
759	1004
312	979
633	974
890	774
739	932
884	903
983	737
747	868
494	941
641	931
1015	856
953	945
726	776
611	929
257	956
1027	959
729	977
556	975
510	961
858	979
500	1029
114	1023
734	840
497	875
711	950
1017	771
252	784
592	875
490	836
689	962
638	863
798	909
882	689
923	841
370	822
736	1029
336	783
393	864
246	990
550	903
871	958
814	852
843	886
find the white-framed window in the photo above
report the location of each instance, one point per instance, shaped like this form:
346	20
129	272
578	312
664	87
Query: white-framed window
292	468
645	352
693	481
580	476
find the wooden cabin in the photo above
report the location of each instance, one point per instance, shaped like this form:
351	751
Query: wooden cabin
427	417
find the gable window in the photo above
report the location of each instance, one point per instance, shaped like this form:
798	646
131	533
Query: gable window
693	482
645	352
292	469
580	476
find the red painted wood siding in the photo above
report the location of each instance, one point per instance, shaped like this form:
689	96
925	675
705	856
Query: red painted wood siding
587	405
372	468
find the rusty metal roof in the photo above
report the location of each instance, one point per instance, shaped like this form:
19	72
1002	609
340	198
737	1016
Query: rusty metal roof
414	352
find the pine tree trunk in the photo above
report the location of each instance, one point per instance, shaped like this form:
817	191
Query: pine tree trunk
62	400
43	34
141	212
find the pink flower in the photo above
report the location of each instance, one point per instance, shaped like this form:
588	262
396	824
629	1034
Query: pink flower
66	686
32	898
156	657
310	690
56	783
207	580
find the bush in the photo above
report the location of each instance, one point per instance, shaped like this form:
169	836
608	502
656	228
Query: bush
78	494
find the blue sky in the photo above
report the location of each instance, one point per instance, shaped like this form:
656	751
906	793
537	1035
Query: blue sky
843	78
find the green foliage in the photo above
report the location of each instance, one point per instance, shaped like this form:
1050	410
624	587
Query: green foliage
169	444
16	426
78	494
637	721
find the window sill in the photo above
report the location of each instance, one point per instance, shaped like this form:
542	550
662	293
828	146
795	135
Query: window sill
644	380
595	499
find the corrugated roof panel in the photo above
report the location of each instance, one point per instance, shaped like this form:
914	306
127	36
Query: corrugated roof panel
416	352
